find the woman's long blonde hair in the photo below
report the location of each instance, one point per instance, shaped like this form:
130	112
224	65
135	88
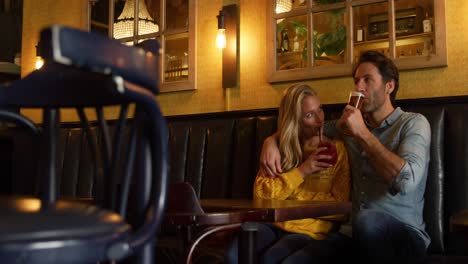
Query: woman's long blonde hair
289	124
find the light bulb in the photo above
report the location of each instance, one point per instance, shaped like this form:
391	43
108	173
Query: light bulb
221	38
39	62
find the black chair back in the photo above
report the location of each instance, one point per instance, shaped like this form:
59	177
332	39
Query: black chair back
97	77
183	199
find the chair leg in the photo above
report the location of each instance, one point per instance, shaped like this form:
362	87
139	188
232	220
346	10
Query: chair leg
146	255
186	233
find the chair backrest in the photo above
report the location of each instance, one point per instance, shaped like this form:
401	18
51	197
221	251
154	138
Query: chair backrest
183	199
95	52
130	171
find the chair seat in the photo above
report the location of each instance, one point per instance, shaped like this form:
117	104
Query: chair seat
65	219
85	223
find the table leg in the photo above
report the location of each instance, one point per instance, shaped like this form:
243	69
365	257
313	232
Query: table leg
248	243
186	232
187	236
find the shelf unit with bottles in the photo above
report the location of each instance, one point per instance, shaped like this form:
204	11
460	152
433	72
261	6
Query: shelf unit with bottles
325	37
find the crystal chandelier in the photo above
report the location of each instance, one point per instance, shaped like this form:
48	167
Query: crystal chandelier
283	6
123	26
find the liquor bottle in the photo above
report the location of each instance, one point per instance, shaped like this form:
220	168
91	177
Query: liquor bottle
296	42
360	34
427	24
285	44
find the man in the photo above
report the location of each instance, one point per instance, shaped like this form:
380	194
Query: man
389	157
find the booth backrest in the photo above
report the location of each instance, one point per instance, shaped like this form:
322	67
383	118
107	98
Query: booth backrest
218	153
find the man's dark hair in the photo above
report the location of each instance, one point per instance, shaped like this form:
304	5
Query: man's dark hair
386	68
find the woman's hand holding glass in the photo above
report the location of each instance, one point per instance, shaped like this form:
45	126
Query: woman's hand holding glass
315	162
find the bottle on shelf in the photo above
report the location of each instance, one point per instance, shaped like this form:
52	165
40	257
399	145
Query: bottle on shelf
427	24
296	41
285	42
427	48
360	34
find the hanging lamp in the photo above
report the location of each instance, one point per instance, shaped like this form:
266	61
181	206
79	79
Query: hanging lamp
123	26
282	6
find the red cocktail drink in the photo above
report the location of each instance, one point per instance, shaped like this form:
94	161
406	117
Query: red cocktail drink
331	151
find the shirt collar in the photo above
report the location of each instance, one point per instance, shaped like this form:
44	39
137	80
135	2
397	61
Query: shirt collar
390	119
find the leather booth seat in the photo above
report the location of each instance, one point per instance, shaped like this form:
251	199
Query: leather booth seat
218	154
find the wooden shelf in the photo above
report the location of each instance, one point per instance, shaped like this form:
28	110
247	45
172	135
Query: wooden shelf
290	60
10	68
99	24
176	70
289	53
412	36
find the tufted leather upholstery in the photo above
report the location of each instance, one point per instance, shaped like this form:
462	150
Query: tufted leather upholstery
218	154
447	183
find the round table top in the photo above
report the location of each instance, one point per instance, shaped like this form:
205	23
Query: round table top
459	222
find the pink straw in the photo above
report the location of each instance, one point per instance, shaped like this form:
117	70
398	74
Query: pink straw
320	134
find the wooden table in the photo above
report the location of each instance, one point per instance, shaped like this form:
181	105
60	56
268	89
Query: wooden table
459	222
277	210
231	213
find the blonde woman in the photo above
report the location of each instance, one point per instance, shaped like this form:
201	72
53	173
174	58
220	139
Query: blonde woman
308	175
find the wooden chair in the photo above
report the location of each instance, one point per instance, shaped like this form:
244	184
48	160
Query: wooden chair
86	71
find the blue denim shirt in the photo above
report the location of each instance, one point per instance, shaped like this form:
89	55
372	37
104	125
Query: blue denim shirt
408	135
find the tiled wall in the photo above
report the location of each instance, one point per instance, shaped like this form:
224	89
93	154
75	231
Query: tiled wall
40	13
254	91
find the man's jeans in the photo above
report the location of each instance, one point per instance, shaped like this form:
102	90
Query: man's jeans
381	238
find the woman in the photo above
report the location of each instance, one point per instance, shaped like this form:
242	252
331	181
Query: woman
308	175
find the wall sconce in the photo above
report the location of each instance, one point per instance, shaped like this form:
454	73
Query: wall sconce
228	24
221	36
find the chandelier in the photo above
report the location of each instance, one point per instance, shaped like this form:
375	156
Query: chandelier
123	26
283	6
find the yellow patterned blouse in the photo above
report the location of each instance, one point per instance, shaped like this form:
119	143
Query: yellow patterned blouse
332	184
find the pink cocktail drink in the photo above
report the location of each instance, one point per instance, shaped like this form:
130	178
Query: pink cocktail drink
330	150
